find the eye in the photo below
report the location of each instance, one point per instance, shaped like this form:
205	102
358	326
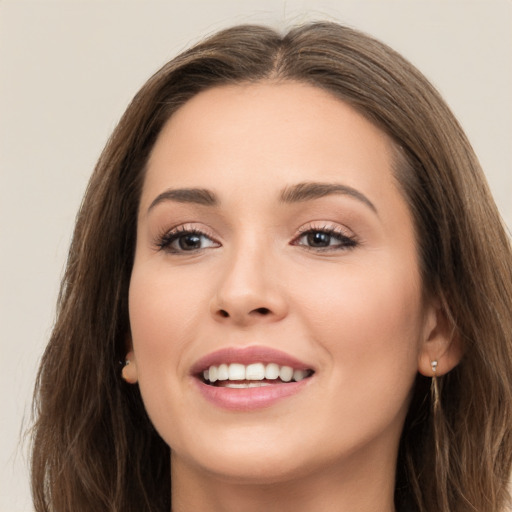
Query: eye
182	240
325	239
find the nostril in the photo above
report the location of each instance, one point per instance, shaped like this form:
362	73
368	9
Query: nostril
262	311
223	313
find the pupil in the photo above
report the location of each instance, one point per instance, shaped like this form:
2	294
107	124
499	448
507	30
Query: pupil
190	242
319	239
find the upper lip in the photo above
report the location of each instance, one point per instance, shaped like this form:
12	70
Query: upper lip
248	355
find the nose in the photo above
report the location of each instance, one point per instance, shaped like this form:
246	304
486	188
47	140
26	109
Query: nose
249	290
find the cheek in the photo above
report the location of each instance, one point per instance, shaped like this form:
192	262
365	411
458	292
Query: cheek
368	319
164	314
368	325
163	308
163	311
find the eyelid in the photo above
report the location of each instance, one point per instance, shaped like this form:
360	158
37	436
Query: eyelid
333	227
348	239
163	238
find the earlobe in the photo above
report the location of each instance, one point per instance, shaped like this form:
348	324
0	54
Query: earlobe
441	349
129	371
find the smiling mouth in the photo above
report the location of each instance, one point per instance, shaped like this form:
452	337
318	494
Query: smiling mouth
240	376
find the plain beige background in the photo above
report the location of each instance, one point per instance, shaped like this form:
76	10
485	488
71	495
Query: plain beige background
69	68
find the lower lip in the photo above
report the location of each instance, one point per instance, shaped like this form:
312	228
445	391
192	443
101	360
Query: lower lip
248	399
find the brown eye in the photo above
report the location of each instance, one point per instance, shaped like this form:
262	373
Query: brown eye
182	241
189	242
318	239
326	239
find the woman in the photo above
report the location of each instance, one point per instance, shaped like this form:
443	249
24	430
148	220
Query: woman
290	246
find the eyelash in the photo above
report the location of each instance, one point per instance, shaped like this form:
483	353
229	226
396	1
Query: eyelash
345	242
166	240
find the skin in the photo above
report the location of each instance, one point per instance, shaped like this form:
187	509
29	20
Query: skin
355	313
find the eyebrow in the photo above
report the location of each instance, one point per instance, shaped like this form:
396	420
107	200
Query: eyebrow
200	196
293	194
312	190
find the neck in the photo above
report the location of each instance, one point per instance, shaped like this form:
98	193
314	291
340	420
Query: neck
346	488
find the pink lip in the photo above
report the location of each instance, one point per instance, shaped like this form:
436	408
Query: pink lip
248	355
248	399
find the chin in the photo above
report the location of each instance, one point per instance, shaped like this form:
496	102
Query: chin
247	455
254	468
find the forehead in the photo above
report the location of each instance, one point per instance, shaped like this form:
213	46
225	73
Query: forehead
259	127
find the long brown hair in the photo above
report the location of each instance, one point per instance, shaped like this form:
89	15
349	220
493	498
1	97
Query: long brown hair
94	447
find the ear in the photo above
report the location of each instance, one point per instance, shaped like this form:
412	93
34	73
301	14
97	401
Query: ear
440	343
129	372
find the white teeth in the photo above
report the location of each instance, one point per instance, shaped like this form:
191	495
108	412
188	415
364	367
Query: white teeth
213	373
286	373
272	371
258	384
225	373
255	371
245	385
236	371
298	375
236	385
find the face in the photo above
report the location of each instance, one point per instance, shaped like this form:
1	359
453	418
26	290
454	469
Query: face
276	257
